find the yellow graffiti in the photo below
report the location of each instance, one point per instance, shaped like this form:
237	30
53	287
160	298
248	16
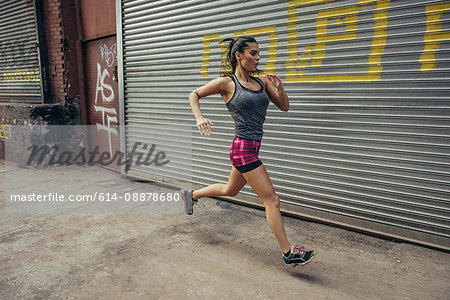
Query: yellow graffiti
5	132
345	15
337	25
26	75
206	51
292	42
313	55
239	33
366	2
378	41
433	35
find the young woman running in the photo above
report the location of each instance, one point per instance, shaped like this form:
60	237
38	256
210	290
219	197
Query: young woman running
247	99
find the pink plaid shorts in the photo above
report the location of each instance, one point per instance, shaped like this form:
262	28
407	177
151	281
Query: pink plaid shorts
244	154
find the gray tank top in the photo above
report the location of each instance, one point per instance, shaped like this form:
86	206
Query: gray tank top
248	109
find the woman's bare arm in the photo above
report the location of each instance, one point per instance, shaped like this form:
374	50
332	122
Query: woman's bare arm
216	86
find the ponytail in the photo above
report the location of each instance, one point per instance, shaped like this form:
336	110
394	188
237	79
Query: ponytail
229	61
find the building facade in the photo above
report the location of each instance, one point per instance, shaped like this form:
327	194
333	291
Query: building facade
365	143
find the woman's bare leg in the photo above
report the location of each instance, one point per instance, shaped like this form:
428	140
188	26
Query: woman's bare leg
235	183
260	182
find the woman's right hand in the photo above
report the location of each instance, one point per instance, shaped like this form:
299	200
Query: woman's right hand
204	126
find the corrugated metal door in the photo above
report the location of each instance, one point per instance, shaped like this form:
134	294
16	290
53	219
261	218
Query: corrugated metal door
366	141
19	63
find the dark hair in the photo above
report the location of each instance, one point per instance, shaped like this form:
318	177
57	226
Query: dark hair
229	60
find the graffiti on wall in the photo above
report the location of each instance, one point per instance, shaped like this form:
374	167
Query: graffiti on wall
336	25
108	54
106	92
434	34
5	132
12	57
13	53
21	75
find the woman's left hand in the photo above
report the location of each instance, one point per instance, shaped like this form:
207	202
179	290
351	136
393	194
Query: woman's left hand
274	80
276	91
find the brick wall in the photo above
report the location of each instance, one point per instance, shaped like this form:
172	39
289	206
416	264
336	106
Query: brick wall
55	50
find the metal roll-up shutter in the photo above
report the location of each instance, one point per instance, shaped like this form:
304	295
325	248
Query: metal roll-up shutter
366	141
19	63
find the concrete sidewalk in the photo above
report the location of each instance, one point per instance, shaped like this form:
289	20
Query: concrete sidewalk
223	250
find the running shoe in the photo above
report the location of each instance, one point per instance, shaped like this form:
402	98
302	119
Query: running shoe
186	195
299	256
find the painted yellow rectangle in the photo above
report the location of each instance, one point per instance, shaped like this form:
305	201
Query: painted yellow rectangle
374	67
22	75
